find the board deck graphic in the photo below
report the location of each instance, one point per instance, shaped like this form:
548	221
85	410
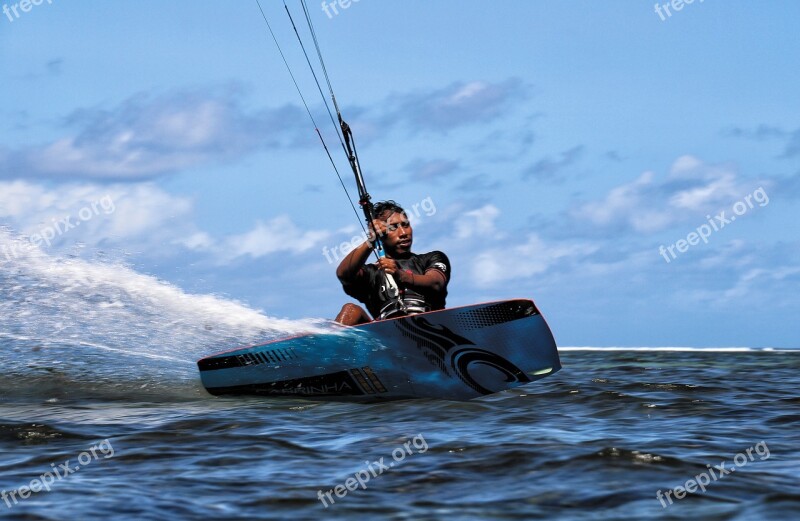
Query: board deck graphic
455	354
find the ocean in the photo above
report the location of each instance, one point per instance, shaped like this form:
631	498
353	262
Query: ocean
102	416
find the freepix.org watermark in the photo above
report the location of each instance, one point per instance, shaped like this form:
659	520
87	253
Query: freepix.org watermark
336	253
715	224
14	11
332	8
373	470
713	474
665	10
56	473
58	227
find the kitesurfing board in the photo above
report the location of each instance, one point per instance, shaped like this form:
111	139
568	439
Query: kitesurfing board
455	354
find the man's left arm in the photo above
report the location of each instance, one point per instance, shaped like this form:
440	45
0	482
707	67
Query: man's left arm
435	278
432	279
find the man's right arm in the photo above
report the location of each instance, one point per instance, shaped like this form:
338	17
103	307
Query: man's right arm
350	266
353	262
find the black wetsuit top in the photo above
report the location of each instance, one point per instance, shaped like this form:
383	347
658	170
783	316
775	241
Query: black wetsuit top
369	285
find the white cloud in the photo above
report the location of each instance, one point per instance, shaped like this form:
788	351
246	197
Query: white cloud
478	222
467	92
621	202
197	241
765	284
685	165
94	214
760	276
648	204
713	184
138	216
455	105
146	136
534	257
276	235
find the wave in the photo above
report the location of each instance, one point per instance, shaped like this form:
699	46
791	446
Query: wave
66	319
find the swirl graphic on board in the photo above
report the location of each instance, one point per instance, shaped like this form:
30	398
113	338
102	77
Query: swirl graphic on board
437	344
463	359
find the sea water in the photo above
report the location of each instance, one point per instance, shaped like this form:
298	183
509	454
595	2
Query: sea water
102	416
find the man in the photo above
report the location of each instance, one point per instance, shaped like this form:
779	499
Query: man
421	280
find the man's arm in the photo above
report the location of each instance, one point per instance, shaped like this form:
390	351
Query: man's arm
433	279
349	267
353	262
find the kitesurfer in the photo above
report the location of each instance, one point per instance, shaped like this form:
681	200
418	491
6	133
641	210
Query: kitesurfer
421	279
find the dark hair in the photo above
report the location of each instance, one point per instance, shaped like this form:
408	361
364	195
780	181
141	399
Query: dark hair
382	207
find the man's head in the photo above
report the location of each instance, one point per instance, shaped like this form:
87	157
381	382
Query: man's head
399	234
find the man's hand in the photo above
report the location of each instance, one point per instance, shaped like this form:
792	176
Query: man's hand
380	227
388	266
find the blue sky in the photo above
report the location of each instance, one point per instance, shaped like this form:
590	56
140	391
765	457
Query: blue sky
555	146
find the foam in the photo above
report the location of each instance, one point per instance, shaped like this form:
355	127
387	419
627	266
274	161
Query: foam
50	301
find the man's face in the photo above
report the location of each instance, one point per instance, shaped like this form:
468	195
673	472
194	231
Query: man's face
399	234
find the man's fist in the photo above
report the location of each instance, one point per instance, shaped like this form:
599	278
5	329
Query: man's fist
380	227
388	266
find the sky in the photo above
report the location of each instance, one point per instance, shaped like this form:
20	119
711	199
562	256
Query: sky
632	168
